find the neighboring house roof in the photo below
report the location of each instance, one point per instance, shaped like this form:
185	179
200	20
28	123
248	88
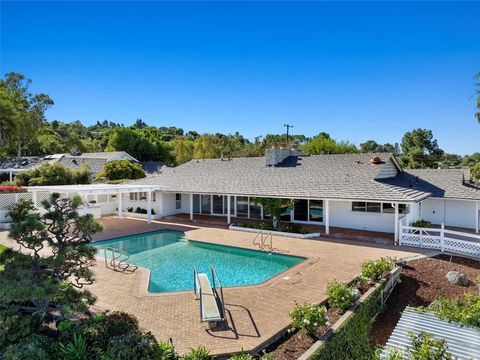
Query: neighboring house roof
462	341
95	165
95	161
20	163
441	183
347	176
108	156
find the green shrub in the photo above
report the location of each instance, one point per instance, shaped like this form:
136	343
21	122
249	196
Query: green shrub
308	317
65	325
53	174
199	353
373	269
425	347
287	227
422	223
465	312
76	349
352	340
339	295
122	169
32	347
395	354
242	356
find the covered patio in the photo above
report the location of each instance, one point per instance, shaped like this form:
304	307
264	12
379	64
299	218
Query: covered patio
99	199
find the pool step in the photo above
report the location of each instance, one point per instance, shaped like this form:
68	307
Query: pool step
212	308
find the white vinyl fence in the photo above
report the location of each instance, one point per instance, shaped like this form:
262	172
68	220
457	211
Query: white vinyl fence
6	200
455	242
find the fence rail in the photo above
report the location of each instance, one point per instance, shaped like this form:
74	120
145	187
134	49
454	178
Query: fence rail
456	242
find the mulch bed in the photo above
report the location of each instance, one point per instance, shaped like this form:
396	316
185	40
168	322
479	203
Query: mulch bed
423	281
295	344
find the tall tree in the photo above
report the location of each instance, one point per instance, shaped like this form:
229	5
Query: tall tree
182	151
323	144
206	147
30	109
420	150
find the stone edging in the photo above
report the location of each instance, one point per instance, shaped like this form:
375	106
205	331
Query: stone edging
307	355
276	233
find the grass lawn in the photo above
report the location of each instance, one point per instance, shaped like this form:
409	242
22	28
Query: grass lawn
2	249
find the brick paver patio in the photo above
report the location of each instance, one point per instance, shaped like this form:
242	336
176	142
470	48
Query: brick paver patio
254	313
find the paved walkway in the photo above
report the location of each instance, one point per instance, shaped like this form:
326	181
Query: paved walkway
254	313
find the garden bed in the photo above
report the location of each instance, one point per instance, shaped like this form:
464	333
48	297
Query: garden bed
255	228
298	344
422	282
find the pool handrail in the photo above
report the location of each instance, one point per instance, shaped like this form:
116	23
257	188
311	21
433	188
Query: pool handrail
215	276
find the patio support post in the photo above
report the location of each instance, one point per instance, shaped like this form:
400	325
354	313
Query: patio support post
191	206
120	205
149	206
34	198
229	206
396	223
477	217
327	217
11	176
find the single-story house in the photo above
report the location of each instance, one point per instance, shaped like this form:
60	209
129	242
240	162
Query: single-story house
352	191
355	191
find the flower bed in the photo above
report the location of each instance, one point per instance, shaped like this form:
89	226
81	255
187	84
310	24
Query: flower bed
291	230
11	189
304	340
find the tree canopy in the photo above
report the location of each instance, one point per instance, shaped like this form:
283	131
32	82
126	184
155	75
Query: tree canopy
122	170
420	150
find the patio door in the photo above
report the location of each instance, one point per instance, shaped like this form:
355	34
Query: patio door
300	212
205	204
217	201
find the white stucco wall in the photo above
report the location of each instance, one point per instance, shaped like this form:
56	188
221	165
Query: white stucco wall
168	204
341	215
451	212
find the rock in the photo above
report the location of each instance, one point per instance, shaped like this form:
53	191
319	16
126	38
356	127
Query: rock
356	294
457	278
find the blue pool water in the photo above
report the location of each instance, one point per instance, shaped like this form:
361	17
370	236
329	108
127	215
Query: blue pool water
170	258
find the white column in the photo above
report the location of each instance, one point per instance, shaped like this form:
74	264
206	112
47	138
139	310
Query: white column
477	216
229	206
326	208
149	206
191	206
11	175
396	223
120	203
34	198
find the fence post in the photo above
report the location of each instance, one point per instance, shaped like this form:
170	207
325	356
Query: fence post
421	237
442	236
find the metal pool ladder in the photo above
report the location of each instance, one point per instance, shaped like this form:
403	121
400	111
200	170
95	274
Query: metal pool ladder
212	304
116	263
263	240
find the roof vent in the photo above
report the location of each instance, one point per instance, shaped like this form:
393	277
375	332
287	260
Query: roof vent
76	153
375	160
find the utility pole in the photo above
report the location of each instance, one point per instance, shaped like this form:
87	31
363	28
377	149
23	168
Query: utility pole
288	128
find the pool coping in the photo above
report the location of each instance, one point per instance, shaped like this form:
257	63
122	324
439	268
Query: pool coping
141	287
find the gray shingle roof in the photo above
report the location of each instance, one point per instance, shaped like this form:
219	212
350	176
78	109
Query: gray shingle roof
75	162
349	176
443	183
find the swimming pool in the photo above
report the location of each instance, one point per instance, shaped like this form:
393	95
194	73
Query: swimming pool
170	258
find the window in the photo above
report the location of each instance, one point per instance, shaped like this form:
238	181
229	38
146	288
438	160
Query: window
359	206
217	204
300	212
178	201
242	206
285	213
363	206
133	196
196	204
316	210
255	210
389	209
205	205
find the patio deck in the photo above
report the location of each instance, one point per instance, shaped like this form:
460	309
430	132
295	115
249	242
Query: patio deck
255	314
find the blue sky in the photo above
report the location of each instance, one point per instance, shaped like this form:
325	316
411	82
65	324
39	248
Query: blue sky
356	70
